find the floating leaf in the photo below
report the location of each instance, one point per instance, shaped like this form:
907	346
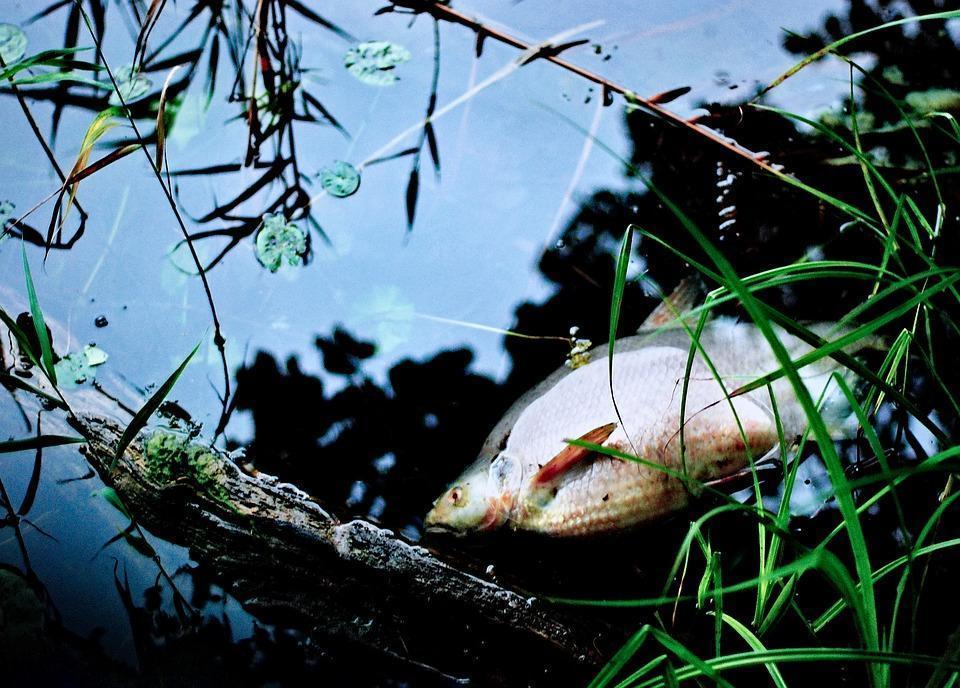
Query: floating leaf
80	366
13	43
340	180
374	62
279	241
132	86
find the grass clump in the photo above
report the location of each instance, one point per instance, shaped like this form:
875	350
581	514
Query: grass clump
172	457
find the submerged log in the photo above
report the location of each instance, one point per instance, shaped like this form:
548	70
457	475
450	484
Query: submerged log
289	561
352	586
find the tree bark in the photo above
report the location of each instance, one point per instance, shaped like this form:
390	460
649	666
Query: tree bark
288	561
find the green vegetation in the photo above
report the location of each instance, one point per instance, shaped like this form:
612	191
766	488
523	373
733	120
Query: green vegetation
279	242
171	457
375	62
909	284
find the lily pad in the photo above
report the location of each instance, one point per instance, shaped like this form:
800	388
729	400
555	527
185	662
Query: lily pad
340	180
79	367
13	43
279	241
374	62
132	85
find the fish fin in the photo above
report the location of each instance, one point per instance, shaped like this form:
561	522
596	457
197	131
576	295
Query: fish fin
681	300
570	456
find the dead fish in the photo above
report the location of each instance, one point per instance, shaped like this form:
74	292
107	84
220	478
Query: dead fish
529	477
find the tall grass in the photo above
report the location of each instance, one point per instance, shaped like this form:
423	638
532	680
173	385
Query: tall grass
907	280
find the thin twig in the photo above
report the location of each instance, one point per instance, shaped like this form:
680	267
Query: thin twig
218	338
447	13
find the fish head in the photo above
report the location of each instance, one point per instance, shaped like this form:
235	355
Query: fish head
482	498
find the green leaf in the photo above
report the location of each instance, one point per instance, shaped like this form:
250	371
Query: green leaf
754	642
340	179
279	241
826	50
52	77
374	62
13	43
46	349
49	58
143	415
41	442
616	302
132	86
80	366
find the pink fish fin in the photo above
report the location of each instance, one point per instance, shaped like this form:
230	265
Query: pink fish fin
571	455
682	299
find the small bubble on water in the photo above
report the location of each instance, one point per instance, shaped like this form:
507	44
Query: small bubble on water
101	321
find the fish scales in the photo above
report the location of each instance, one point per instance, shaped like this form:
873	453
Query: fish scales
648	386
579	493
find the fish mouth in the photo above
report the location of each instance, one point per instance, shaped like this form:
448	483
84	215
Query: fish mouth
443	528
434	524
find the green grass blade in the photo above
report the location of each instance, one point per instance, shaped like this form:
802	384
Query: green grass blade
26	347
755	644
866	612
46	349
803	655
151	405
616	302
826	50
619	660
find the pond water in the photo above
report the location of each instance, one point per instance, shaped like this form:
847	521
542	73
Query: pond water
369	371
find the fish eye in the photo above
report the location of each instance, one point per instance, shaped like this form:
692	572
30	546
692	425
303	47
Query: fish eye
456	496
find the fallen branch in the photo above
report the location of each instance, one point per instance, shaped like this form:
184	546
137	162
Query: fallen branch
653	104
289	561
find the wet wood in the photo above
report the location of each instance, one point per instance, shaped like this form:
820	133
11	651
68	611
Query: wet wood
289	561
352	585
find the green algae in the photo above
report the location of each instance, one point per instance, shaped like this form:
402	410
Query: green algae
172	457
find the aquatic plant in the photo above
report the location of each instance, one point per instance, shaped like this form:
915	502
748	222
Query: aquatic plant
171	457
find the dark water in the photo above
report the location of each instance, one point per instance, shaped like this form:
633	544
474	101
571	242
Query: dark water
350	373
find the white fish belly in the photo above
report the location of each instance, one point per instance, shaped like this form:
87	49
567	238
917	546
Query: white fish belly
608	494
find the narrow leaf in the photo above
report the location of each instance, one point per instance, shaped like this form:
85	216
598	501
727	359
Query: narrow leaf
140	420
46	349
